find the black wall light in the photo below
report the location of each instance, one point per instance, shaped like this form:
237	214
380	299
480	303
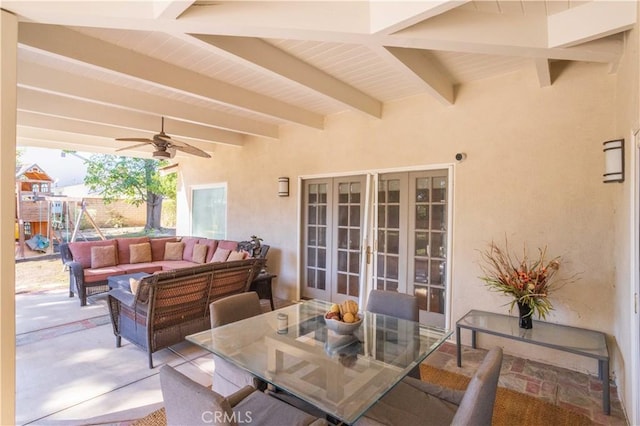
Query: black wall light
613	161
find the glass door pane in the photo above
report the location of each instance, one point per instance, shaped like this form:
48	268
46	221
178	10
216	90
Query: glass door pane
428	226
349	213
317	241
391	229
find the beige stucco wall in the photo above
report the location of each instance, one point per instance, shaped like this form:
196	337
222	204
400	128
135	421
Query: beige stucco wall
625	320
533	174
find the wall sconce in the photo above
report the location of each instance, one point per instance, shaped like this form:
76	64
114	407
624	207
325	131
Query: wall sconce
283	186
613	161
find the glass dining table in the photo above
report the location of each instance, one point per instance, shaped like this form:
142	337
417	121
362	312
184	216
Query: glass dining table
340	374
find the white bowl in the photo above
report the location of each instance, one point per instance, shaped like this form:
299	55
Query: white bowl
340	327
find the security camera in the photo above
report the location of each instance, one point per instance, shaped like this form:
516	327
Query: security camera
461	156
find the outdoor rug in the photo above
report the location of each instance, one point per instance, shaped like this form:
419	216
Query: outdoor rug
511	407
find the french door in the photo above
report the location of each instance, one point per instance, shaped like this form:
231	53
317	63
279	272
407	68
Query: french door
388	231
334	220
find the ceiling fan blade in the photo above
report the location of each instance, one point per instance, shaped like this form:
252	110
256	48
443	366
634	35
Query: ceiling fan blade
132	147
190	150
135	140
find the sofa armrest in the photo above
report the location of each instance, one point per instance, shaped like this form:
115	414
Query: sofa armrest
123	296
65	253
76	276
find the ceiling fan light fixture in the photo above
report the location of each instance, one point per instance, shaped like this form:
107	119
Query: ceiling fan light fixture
161	155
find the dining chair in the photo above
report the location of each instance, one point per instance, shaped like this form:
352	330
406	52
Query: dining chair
187	402
415	402
227	377
399	305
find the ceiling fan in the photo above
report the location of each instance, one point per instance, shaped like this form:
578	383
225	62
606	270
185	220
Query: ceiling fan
165	147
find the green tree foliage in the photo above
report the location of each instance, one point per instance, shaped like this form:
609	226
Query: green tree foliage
136	180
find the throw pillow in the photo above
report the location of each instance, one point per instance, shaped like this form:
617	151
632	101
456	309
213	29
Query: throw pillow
220	255
236	255
199	253
133	283
173	251
140	253
103	256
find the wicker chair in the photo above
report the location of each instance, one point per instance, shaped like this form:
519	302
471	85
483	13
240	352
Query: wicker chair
171	305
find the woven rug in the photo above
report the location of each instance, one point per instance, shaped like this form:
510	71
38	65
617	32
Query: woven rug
157	418
511	407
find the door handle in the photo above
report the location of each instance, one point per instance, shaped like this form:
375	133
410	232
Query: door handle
368	255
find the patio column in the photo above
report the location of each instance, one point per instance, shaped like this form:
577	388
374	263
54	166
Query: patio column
8	82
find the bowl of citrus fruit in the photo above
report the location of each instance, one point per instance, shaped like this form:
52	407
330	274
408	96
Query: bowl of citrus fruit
343	318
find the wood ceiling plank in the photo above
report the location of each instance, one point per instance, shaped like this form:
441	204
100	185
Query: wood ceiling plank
60	41
52	80
266	56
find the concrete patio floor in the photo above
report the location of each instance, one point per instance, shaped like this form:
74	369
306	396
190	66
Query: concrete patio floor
69	371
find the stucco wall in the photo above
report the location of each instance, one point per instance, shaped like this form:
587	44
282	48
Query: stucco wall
533	174
625	323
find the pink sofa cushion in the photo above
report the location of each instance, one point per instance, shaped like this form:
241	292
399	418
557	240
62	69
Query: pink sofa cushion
123	247
229	245
157	247
149	268
189	242
81	251
172	265
101	274
212	244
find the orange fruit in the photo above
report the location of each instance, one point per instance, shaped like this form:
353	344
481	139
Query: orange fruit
348	317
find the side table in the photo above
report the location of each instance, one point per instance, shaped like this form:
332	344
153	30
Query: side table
261	284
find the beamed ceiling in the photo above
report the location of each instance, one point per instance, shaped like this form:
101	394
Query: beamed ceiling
91	71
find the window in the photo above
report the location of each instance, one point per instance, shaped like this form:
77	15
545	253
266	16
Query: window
209	211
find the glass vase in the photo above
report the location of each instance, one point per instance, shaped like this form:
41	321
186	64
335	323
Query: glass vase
525	316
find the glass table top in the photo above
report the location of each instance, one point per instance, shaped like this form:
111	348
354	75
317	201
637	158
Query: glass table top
342	375
581	341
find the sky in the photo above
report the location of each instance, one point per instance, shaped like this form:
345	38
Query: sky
65	171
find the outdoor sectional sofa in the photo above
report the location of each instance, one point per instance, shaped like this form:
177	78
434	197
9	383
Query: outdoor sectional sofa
165	307
91	263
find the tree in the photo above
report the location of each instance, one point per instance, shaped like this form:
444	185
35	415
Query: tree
137	180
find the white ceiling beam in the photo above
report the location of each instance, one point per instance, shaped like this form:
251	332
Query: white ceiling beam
597	19
426	67
44	78
56	139
71	44
494	34
80	133
543	72
389	17
266	56
484	33
60	106
170	9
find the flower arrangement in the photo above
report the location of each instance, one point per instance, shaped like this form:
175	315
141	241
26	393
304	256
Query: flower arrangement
529	281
